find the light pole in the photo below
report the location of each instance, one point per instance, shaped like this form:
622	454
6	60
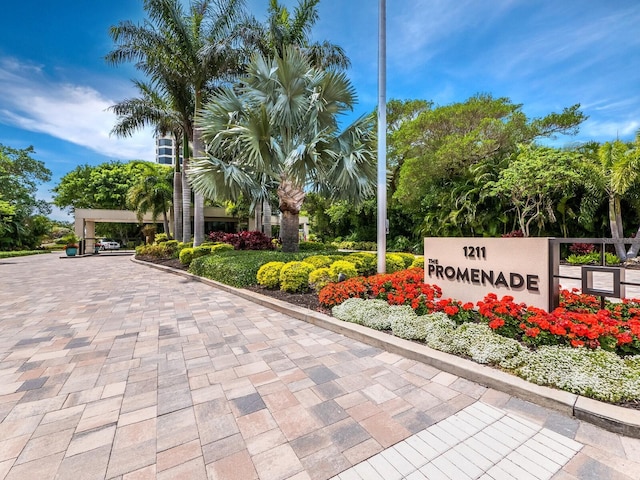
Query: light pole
382	136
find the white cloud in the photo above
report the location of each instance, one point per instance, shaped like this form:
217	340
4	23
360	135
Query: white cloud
608	130
71	112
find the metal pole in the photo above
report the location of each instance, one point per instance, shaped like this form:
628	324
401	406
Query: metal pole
382	136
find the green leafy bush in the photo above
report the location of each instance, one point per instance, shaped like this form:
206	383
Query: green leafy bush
418	261
366	263
186	255
221	247
269	274
161	237
294	276
238	268
592	259
394	262
153	251
319	278
171	248
347	245
344	267
319	261
407	258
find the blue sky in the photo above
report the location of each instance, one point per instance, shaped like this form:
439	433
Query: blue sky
55	86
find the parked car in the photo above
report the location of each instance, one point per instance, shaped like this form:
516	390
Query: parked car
106	244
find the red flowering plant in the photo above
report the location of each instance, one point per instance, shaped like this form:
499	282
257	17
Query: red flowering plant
457	311
504	316
405	288
335	293
401	288
578	322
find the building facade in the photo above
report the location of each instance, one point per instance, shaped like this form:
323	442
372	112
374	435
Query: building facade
165	150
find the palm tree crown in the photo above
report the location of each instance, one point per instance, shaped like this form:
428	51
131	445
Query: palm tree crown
280	126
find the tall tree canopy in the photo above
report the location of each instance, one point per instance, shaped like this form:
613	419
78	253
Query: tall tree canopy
187	56
448	154
21	213
103	186
280	125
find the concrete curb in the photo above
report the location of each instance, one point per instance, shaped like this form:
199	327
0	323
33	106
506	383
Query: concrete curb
624	421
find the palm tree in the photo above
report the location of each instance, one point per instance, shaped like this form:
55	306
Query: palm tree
154	108
190	55
153	194
284	29
279	126
616	170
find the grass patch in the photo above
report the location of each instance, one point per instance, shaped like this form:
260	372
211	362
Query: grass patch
22	253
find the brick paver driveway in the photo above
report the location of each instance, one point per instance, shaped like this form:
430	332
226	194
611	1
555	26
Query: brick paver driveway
110	369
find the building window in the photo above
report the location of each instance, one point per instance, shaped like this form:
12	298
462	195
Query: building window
165	142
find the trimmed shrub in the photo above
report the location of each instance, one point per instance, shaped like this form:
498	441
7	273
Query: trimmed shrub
201	251
238	268
407	258
344	267
319	261
294	276
170	247
186	255
394	262
221	247
153	251
319	278
269	274
418	262
161	237
366	263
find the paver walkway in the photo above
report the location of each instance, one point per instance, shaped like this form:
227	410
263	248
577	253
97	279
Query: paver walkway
110	369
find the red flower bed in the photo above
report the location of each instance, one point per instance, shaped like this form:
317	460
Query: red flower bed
401	288
578	321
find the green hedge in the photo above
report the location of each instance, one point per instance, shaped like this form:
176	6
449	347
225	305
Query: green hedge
239	268
22	253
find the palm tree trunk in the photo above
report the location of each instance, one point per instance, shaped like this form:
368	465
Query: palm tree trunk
165	221
177	205
615	222
289	231
635	247
257	215
186	204
266	218
177	191
198	151
198	219
291	198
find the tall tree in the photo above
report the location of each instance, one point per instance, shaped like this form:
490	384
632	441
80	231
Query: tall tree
610	172
190	54
157	109
152	194
20	210
285	29
280	125
535	181
448	153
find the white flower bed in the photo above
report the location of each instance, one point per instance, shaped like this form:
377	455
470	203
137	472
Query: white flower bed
592	373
